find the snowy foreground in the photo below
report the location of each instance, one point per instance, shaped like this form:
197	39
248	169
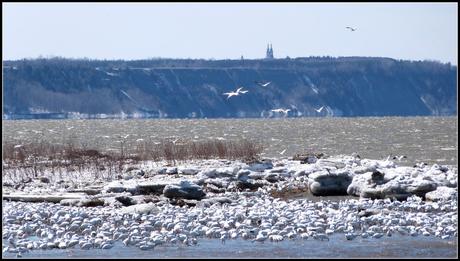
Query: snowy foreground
270	200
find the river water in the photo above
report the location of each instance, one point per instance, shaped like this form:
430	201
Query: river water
421	139
395	246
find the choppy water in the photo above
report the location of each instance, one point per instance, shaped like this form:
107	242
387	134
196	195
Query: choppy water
338	247
421	139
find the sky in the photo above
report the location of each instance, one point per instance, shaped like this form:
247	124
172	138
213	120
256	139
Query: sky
409	31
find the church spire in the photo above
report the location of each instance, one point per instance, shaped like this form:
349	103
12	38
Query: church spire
269	54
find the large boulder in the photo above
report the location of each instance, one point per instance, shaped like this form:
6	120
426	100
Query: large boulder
442	175
442	193
399	183
328	183
185	189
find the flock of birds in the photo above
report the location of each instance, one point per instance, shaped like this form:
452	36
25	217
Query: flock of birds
253	217
264	84
241	91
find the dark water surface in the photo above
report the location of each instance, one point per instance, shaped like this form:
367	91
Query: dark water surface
395	246
421	139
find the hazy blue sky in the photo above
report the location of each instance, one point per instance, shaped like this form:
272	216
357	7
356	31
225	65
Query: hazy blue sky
414	31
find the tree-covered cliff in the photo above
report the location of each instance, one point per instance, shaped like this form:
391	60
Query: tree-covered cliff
347	86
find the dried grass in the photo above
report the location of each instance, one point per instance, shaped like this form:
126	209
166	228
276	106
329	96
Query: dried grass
35	158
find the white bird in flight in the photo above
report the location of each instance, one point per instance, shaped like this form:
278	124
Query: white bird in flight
281	110
235	93
351	28
263	84
240	90
282	152
320	109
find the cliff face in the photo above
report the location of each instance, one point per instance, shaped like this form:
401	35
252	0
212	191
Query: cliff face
194	88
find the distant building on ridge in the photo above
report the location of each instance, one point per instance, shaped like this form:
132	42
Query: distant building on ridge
269	52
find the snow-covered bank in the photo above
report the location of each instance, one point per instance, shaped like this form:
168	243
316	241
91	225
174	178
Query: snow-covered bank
198	179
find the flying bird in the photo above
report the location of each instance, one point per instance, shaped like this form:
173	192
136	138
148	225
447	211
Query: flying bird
240	90
320	109
231	94
281	110
262	84
351	28
282	152
235	93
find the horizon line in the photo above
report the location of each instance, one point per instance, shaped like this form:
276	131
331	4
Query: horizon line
51	57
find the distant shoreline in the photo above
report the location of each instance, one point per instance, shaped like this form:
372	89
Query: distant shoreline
70	116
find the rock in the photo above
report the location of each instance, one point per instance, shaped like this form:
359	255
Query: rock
147	208
127	176
122	186
83	202
161	171
44	180
88	191
220	200
214	189
305	170
226	172
272	177
420	187
183	202
69	202
364	169
220	183
243	174
134	172
91	202
377	177
396	183
277	170
441	193
325	183
151	187
250	184
188	171
257	175
54	198
184	189
126	201
308	157
260	165
368	212
171	170
330	163
207	173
